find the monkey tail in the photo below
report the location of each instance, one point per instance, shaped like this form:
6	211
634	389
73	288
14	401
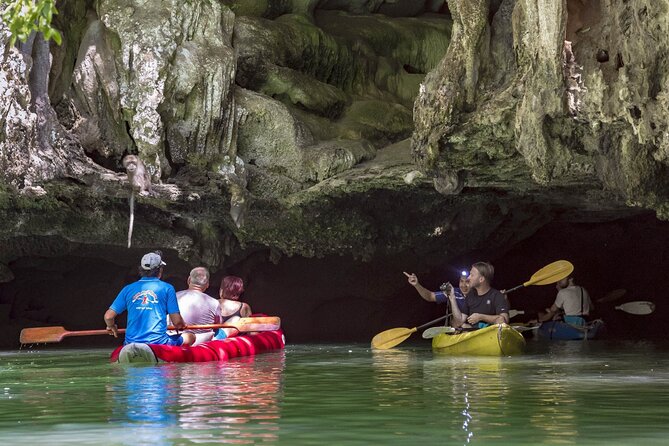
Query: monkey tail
132	218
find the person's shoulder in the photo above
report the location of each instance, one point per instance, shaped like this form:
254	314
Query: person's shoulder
186	295
126	289
166	284
229	305
496	293
132	286
166	288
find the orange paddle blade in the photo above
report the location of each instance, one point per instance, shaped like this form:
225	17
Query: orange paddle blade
42	335
260	323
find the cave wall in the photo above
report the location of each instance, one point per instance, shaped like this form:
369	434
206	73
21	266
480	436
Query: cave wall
237	113
580	99
306	108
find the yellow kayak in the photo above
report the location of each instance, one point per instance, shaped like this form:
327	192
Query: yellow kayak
495	340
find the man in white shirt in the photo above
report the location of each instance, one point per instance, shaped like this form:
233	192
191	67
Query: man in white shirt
573	300
198	308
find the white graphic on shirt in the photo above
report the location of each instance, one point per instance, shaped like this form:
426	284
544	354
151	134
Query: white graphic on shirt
147	297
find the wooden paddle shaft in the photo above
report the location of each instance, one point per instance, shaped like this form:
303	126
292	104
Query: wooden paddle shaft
56	334
431	323
248	326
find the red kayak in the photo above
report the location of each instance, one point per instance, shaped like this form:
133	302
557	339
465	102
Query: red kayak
233	347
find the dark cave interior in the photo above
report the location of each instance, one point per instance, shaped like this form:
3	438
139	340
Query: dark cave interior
338	299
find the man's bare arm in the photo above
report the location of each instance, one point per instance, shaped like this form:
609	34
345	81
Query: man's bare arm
424	292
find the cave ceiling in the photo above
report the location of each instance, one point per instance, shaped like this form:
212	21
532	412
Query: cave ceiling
334	127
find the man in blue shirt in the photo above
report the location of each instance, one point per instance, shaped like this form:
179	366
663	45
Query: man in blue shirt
148	301
441	297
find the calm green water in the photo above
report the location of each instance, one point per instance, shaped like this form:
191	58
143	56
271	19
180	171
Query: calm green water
567	393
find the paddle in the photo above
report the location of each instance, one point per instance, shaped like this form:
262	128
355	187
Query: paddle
41	335
550	273
522	328
390	338
612	295
638	307
514	313
434	331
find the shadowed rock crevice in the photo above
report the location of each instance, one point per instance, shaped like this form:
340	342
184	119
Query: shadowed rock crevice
556	102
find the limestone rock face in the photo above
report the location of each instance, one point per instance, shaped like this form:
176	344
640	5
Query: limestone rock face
560	94
156	79
18	122
29	154
271	138
358	127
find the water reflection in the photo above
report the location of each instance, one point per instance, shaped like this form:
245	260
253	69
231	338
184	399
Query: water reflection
241	400
392	373
476	387
142	399
235	402
554	415
460	396
555	397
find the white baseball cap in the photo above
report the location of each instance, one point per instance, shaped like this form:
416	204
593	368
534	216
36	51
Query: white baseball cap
151	261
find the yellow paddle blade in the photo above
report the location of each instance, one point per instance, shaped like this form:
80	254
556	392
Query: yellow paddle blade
390	338
551	273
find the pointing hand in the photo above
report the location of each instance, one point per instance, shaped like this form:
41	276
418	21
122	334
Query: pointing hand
411	278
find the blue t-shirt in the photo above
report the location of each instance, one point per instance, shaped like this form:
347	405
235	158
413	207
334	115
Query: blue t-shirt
148	301
441	298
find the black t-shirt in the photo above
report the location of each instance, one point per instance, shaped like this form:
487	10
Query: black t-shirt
492	303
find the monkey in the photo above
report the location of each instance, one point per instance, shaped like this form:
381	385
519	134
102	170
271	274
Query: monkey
140	182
